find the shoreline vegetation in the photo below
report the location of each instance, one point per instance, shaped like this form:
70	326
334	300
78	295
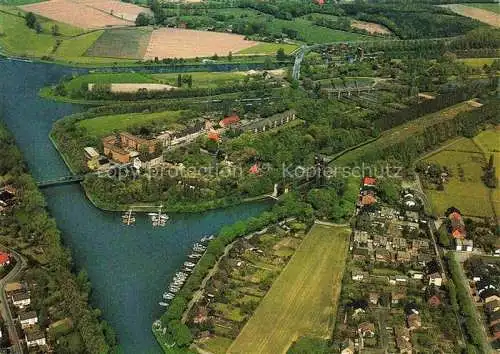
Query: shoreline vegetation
69	293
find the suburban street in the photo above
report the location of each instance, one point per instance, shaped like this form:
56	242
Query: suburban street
4	308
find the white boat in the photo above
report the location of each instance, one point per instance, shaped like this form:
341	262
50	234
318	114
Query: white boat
189	270
169	296
164	304
194	255
166	296
189	264
210	238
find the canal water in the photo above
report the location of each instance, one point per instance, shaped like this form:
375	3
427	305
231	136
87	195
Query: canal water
129	267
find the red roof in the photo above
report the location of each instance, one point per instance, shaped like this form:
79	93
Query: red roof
213	135
254	169
4	258
229	120
369	181
320	2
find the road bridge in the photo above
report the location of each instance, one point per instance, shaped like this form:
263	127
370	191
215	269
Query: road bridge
61	180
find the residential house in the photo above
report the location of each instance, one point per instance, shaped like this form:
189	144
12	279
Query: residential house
403	340
366	329
379	241
373	298
416	274
435	279
397	297
457	225
367	199
21	299
115	152
464	245
414	321
492	306
90	153
35	338
360	237
229	120
483	285
419	244
125	146
7	197
412	216
382	255
369	181
28	319
398	280
4	259
359	275
348	347
399	243
13	287
488	293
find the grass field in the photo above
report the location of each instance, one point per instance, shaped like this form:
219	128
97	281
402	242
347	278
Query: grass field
488	7
468	193
101	126
489	142
487	16
203	79
303	300
477	62
108	78
402	132
127	43
269	48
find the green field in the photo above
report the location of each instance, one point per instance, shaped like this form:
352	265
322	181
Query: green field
269	48
402	132
77	46
18	39
488	7
469	194
203	79
477	62
489	142
303	300
127	43
104	125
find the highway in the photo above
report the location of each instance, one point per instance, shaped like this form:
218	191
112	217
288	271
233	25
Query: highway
21	264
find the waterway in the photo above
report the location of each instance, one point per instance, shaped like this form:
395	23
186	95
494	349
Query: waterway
129	267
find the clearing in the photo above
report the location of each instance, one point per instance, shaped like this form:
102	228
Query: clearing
269	48
303	300
133	88
491	18
370	27
104	125
182	43
78	14
488	7
125	43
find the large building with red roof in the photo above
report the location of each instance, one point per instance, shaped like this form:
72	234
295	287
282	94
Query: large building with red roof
229	120
457	225
4	259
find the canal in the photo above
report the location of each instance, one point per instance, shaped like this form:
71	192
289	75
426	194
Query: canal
129	267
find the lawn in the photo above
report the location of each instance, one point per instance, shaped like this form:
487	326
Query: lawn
269	48
101	126
202	79
303	300
127	43
215	344
488	7
477	62
468	193
77	46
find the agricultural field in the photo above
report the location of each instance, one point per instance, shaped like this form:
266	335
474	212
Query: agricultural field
101	126
203	79
488	7
121	43
107	78
303	300
269	48
464	188
180	43
488	17
88	16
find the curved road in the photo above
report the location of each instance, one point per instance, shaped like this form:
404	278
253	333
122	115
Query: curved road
21	264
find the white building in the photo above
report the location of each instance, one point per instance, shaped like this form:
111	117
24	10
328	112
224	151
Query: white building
435	279
28	319
35	338
464	245
21	300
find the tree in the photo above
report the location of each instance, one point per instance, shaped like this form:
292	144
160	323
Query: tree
230	56
179	80
30	19
280	54
55	30
142	19
38	27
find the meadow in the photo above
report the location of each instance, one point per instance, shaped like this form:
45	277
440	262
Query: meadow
108	78
464	188
303	300
488	7
101	126
477	62
269	48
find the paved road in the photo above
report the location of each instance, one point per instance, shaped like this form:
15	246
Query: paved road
4	305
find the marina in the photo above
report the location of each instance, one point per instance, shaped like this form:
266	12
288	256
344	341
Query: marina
128	218
159	219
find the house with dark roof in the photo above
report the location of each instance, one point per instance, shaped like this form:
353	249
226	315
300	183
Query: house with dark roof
28	319
35	338
366	329
361	254
21	299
